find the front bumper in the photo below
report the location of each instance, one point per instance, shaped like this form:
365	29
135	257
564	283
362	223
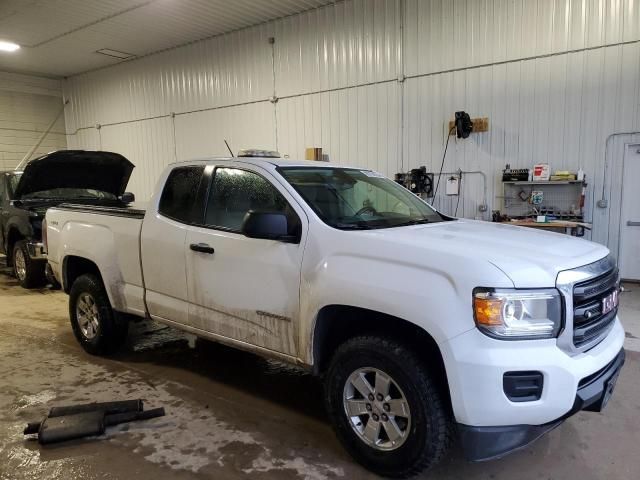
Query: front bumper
488	443
36	251
475	366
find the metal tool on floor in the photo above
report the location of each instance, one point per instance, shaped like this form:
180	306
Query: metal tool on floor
91	419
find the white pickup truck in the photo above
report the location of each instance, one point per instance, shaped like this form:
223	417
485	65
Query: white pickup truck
423	326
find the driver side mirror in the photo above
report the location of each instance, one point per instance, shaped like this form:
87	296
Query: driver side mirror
127	197
267	225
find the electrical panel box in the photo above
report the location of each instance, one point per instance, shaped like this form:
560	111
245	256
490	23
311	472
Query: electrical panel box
453	185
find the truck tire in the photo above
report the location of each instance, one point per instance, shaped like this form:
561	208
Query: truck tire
29	273
97	327
386	408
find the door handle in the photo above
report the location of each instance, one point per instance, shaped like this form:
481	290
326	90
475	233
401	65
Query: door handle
202	248
633	224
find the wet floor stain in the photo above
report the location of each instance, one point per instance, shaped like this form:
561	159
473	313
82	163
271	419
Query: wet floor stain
189	438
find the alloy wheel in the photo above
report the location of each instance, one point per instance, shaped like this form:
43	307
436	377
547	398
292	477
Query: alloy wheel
88	316
20	264
377	409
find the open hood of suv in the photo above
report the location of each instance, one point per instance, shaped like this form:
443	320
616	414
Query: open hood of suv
105	171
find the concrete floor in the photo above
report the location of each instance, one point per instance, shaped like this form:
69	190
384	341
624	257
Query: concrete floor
233	415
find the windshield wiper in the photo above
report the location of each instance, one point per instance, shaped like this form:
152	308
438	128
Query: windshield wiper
353	226
413	222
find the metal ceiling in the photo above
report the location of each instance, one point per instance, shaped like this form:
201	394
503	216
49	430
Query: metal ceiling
61	37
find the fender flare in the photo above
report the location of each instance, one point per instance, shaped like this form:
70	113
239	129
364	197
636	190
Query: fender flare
23	232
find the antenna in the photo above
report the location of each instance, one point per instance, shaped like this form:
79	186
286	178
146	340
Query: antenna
228	147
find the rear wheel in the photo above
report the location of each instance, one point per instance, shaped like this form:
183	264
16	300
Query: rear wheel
96	326
386	408
30	273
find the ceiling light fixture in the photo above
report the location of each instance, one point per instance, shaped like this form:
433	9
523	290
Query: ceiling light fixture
115	53
8	46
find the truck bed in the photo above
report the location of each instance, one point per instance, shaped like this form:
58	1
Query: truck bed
107	236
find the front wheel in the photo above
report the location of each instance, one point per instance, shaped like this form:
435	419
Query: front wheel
96	326
30	273
386	408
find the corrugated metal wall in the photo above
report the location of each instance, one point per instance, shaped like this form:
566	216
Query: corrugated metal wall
27	106
374	82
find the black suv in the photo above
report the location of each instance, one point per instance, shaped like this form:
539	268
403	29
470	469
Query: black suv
65	176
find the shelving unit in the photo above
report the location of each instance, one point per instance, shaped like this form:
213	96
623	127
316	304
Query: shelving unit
561	199
546	182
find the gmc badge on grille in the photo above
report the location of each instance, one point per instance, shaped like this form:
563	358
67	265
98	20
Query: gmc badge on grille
610	302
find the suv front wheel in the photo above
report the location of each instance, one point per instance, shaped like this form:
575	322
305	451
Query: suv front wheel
29	273
386	408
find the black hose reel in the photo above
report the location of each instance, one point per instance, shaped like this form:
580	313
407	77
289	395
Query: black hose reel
464	125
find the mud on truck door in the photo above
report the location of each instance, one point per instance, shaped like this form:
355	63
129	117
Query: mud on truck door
245	288
162	245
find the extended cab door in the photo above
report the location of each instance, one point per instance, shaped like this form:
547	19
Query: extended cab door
163	243
242	288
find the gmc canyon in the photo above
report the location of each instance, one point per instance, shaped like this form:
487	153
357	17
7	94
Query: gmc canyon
423	327
96	178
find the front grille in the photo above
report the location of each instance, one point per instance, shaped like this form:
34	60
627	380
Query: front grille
589	323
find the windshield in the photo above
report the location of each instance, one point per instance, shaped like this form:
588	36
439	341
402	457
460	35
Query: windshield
68	194
351	199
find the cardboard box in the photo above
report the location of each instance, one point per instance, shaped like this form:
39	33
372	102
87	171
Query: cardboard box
313	153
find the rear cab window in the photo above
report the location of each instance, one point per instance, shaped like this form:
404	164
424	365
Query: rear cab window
179	199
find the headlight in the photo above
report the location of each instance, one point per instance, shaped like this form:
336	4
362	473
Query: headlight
517	314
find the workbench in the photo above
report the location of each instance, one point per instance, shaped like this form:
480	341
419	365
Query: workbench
563	226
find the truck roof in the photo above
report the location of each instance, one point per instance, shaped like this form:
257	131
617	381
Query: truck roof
267	161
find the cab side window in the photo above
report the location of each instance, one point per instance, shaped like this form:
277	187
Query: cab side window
179	196
3	179
234	192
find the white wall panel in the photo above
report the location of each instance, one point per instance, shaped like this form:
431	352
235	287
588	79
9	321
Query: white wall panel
557	110
445	34
352	43
15	82
356	126
202	134
225	70
149	146
85	139
27	106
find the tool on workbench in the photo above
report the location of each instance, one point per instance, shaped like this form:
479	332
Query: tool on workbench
78	421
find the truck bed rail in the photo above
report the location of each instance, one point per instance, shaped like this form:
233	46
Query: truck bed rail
129	212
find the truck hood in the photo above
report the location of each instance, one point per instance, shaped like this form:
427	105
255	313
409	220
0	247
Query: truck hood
104	171
530	258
